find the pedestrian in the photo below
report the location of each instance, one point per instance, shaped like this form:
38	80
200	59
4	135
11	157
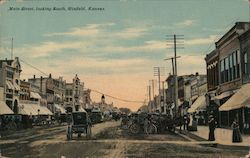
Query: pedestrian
236	137
185	121
180	122
212	125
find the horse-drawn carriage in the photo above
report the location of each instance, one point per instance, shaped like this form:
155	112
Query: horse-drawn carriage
79	124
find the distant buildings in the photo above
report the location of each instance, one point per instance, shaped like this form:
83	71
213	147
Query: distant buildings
41	95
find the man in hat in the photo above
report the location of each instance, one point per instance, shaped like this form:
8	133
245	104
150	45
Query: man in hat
212	125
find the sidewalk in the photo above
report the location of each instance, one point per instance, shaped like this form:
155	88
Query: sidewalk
222	136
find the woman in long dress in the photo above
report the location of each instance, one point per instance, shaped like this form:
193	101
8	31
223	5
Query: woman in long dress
236	132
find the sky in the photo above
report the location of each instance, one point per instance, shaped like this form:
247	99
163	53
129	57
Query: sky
114	49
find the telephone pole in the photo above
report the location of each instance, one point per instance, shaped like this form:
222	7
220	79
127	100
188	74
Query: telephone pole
178	42
153	88
149	93
12	48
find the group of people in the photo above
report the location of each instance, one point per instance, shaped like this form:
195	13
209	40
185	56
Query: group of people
236	136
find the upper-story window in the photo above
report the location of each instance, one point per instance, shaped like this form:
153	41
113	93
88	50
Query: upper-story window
9	74
222	68
245	63
230	67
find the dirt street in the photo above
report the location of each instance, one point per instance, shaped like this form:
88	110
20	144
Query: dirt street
108	141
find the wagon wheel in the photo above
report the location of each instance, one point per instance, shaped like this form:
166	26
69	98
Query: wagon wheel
124	124
12	126
134	128
69	134
89	132
151	129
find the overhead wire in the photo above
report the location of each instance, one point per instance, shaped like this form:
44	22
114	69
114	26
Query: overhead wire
96	91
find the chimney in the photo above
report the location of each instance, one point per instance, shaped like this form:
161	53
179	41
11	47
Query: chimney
196	74
34	76
49	75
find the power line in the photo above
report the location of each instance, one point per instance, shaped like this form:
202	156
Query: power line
124	100
120	99
34	67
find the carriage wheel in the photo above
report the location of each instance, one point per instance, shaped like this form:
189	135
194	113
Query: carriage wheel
89	132
134	128
124	125
151	129
69	134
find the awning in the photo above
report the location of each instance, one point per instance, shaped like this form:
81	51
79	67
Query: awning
44	111
199	104
58	96
10	85
240	99
194	97
4	109
223	95
180	102
16	86
35	95
34	109
28	109
81	109
60	109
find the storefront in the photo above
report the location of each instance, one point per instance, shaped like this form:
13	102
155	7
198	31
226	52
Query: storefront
237	107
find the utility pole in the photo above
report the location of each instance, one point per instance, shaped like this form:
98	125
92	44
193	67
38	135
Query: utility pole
157	72
153	89
178	44
12	48
163	99
149	93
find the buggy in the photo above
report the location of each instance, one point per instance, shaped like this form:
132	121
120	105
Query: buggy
79	123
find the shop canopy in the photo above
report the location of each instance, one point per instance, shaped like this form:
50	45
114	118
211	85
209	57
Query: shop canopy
16	86
199	104
4	109
35	95
223	95
34	109
28	109
60	109
10	85
44	111
58	96
240	99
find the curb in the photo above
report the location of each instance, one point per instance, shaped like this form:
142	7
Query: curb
215	144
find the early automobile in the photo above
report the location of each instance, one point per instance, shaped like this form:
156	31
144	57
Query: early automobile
80	124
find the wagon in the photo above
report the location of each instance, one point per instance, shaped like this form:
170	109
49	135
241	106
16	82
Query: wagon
80	124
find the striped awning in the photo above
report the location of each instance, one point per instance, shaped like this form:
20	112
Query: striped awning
34	109
10	85
17	87
199	104
60	109
35	95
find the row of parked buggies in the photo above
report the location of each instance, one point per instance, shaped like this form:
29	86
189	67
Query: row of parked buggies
147	123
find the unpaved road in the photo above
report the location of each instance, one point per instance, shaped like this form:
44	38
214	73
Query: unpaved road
108	141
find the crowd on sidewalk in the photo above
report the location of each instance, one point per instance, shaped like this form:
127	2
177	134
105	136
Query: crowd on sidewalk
212	132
